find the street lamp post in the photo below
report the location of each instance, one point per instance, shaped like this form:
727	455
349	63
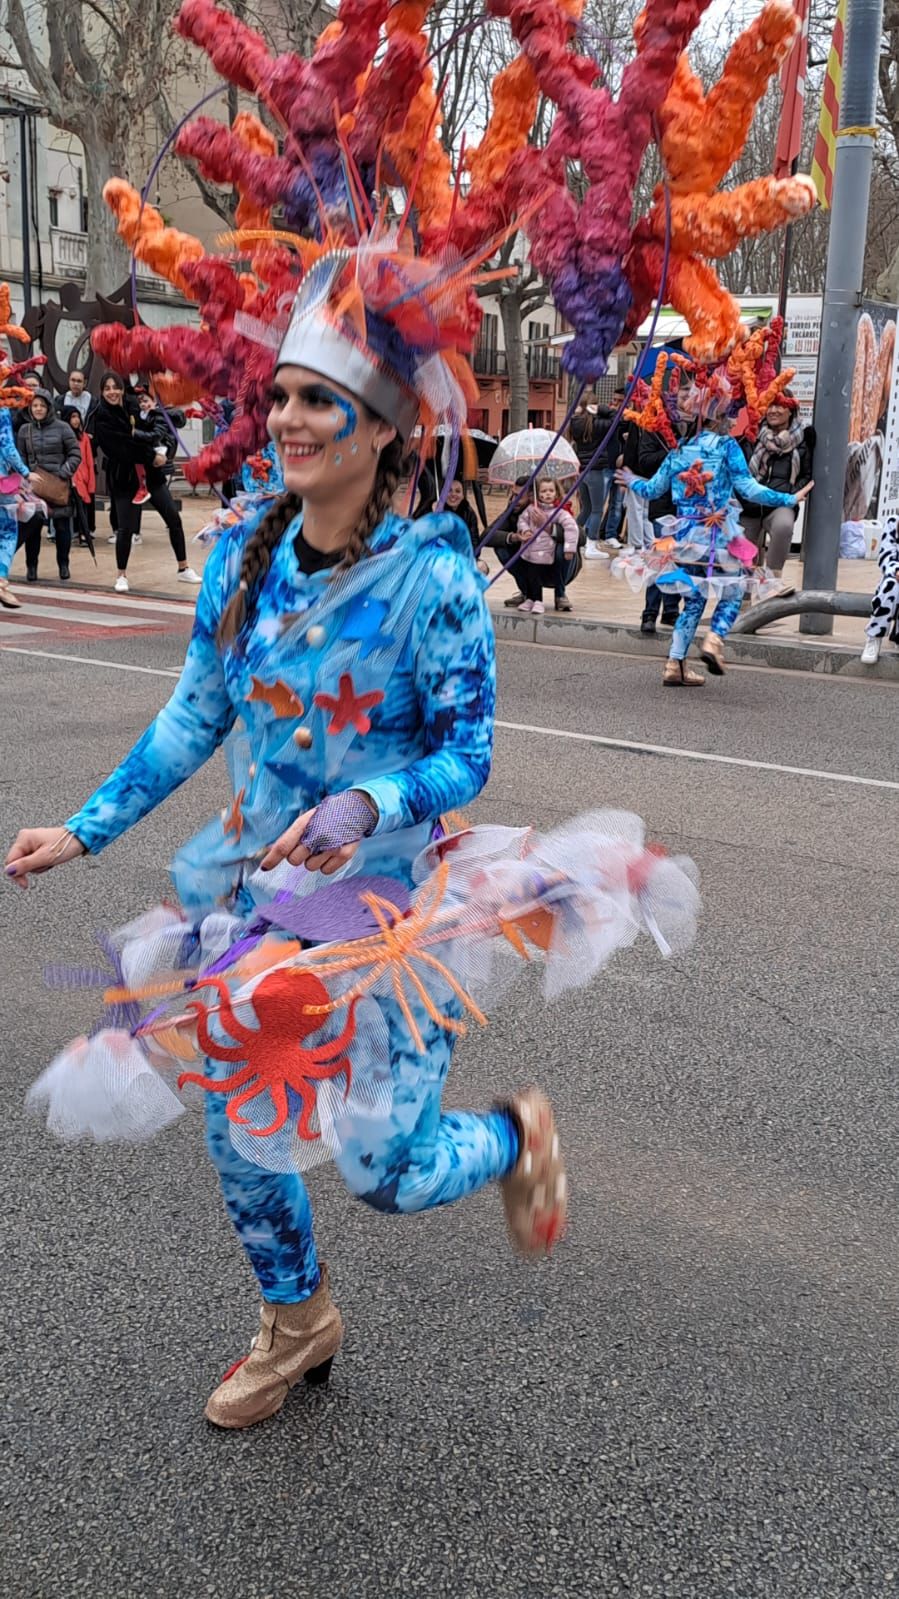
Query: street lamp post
22	114
842	294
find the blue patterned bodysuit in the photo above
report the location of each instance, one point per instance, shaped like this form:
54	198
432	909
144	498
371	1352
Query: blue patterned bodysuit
701	551
411	622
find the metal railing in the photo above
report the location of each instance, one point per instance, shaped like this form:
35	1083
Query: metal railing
489	362
68	254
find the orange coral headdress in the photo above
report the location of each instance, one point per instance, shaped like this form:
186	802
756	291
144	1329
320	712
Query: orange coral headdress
360	168
14	396
747	382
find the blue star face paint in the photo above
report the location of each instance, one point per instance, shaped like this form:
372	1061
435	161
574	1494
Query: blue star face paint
349	413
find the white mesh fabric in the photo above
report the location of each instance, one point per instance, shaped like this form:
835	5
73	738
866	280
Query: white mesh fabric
104	1089
338	1105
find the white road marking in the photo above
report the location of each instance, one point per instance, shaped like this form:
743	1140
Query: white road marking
669	750
697	755
81	617
71	598
88	660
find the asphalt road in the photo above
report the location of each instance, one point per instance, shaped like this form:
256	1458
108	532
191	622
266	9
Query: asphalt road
695	1399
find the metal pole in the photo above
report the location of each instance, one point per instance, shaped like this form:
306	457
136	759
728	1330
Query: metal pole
786	259
842	293
26	210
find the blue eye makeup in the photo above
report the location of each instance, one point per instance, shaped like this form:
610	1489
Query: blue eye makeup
319	396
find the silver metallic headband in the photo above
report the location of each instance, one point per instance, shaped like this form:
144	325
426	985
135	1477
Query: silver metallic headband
316	341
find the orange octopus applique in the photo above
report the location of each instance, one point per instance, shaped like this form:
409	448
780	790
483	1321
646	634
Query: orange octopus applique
276	1058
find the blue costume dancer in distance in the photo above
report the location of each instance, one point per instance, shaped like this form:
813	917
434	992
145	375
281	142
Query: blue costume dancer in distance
704	553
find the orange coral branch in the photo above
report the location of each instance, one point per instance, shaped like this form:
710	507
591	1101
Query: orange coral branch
713	225
703	134
164	250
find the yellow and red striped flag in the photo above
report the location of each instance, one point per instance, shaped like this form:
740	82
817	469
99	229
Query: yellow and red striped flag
824	159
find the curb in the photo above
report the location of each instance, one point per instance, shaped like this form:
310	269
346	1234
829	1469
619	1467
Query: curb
743	649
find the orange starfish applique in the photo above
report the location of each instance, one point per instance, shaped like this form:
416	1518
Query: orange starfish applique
347	708
234	820
695	481
282	699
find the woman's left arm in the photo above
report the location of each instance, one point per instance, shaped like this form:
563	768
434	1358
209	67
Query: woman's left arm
455	686
750	488
73	452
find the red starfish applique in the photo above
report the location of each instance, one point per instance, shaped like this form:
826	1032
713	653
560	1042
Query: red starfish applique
234	819
695	481
347	708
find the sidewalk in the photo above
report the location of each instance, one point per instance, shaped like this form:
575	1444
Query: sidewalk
605	616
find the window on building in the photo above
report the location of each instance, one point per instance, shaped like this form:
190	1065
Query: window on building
84	213
54	208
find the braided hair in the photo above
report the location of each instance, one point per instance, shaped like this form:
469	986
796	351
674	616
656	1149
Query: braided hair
261	545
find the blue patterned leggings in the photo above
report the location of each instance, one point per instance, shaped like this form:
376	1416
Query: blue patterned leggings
9	539
723	618
416	1159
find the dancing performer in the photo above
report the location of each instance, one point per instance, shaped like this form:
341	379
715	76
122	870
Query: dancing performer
13	474
15	394
344	654
703	553
367	690
885	600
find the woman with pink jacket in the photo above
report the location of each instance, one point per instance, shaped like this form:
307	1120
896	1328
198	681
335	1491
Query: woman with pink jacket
549	535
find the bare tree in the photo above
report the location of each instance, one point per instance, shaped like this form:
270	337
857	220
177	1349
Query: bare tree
97	70
887	279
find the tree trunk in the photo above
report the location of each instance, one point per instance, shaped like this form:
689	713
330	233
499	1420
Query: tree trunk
516	362
886	286
107	258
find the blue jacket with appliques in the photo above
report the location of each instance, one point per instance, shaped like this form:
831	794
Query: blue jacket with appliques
380	678
730	474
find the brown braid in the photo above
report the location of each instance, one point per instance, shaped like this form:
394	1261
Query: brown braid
257	558
261	546
391	466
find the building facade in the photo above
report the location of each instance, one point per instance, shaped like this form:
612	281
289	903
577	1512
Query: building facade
546	385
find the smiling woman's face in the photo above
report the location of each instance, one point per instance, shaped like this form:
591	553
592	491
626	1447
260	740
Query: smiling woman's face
327	440
112	393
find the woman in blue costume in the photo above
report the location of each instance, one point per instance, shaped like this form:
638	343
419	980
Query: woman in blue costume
704	554
12	467
356	649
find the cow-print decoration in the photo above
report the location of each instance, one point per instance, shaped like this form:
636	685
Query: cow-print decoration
885	604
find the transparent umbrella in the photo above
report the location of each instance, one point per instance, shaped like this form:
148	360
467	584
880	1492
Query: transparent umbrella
518	455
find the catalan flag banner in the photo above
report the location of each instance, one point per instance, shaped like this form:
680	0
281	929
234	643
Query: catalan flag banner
824	159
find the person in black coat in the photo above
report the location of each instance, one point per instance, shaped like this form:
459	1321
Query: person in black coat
128	443
153	420
644	452
125	446
47	444
505	540
589	426
781	458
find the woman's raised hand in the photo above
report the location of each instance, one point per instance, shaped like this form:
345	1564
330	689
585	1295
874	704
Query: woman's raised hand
326	838
804	492
39	849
